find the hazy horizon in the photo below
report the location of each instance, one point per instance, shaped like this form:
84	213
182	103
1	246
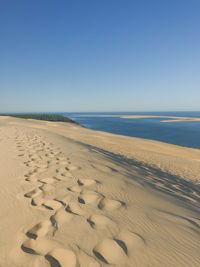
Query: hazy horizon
106	111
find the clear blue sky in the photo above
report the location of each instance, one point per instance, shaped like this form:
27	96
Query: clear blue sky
99	55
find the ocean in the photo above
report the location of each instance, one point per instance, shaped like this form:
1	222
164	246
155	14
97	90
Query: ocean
179	133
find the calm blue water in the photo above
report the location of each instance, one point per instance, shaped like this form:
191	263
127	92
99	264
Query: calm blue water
179	133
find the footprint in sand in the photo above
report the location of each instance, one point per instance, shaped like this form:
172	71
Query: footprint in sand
39	230
42	168
32	172
58	179
63	172
85	260
100	222
110	204
46	187
87	182
81	183
50	155
52	204
115	251
74	208
33	193
47	180
39	246
27	164
56	153
64	176
37	201
62	163
64	200
60	158
87	197
130	241
72	168
61	257
110	251
31	178
61	217
75	188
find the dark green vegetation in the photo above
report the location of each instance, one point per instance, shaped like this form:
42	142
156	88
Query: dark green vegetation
43	117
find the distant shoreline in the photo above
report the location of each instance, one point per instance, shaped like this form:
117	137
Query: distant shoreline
174	118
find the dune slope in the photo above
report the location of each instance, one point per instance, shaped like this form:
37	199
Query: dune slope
71	196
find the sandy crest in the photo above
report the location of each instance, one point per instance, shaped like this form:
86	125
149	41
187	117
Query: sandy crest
70	196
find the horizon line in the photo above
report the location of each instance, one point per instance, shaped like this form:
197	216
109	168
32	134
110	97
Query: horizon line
28	112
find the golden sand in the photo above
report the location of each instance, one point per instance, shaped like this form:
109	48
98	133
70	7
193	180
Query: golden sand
71	196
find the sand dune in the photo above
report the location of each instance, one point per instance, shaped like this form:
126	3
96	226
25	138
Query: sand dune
74	197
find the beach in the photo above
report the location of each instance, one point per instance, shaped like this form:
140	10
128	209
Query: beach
72	196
